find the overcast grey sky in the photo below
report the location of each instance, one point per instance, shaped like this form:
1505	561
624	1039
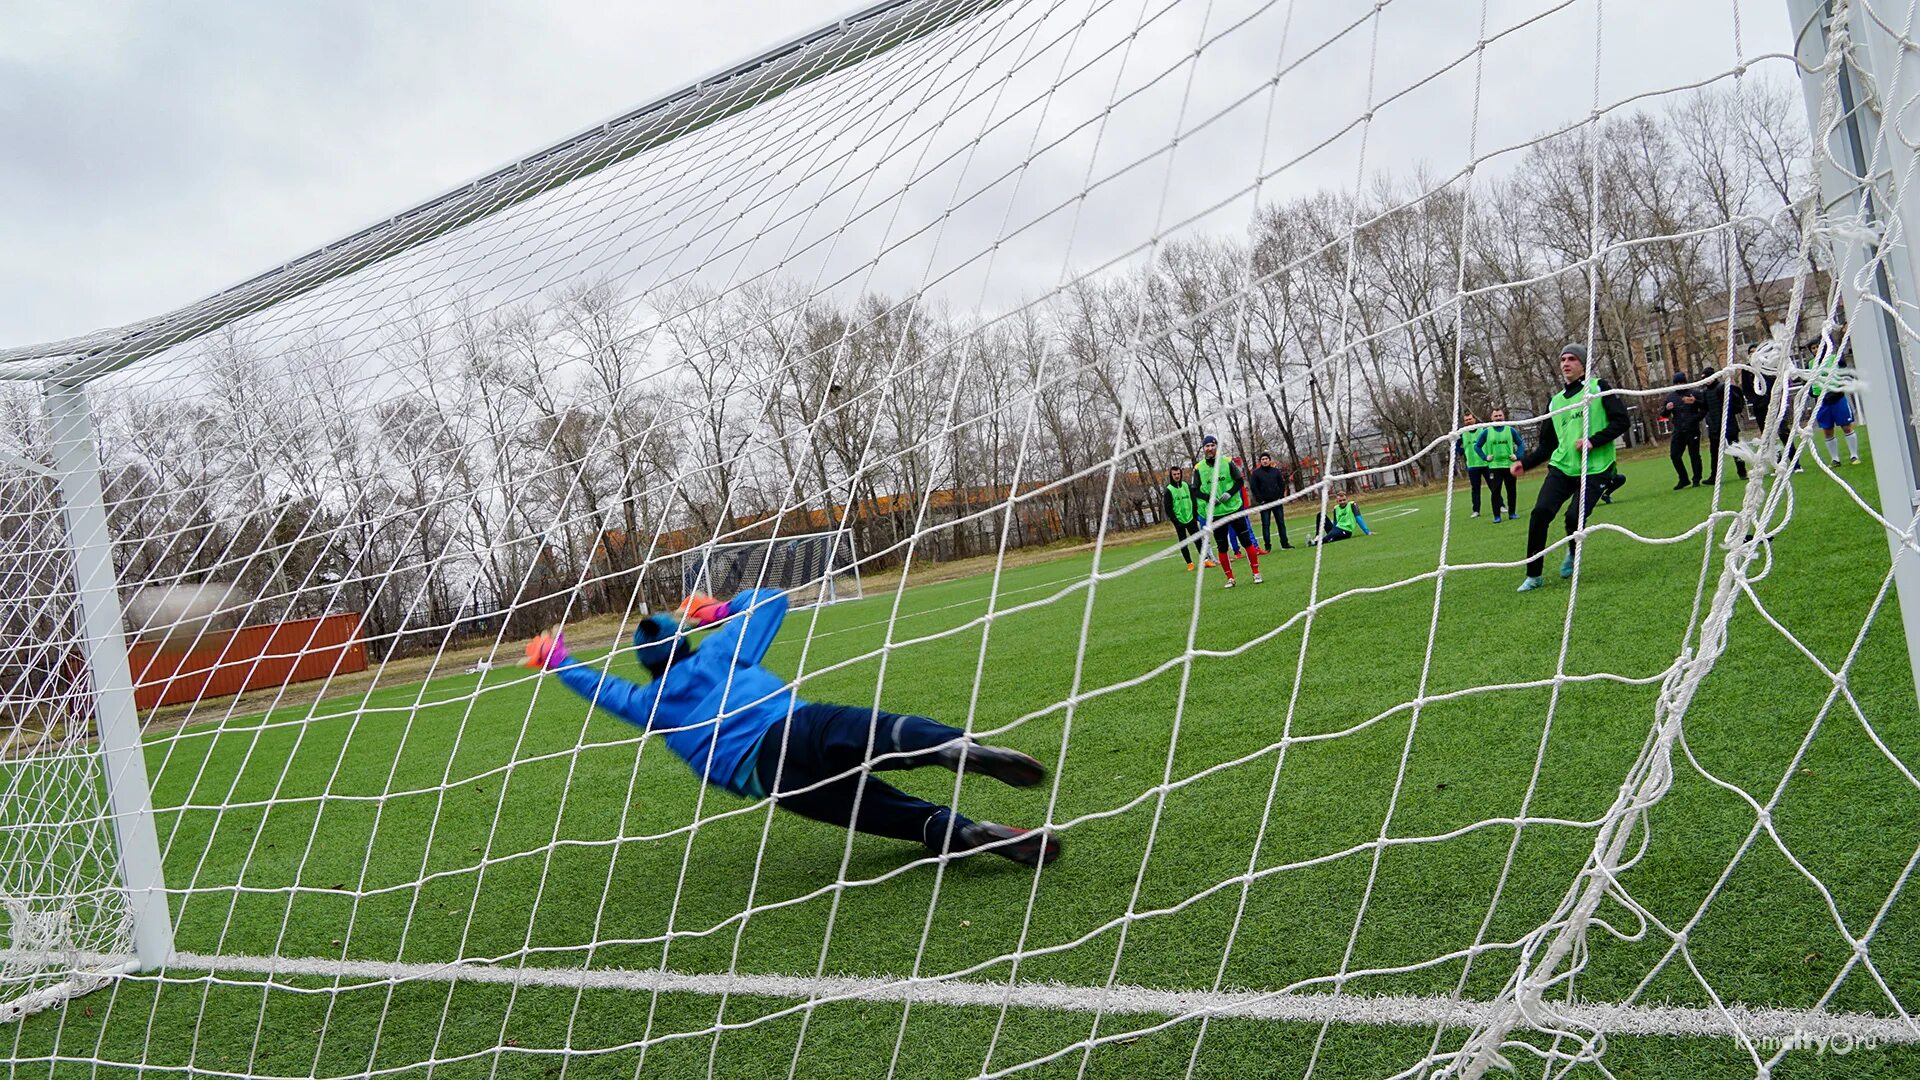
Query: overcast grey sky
158	152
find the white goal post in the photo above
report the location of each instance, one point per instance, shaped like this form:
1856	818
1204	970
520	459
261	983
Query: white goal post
67	939
1867	184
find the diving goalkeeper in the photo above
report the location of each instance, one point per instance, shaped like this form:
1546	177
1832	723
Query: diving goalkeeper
741	727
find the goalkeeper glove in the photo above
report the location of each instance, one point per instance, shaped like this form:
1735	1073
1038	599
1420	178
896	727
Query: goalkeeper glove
548	652
700	610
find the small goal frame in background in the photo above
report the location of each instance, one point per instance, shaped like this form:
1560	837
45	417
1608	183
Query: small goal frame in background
812	568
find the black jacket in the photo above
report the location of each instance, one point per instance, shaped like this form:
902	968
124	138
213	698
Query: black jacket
1723	409
1610	406
1686	418
1268	484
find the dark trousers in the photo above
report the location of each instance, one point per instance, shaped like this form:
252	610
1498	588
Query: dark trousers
1556	491
820	741
1499	480
1269	516
1686	441
1477	475
1181	531
1329	532
1715	440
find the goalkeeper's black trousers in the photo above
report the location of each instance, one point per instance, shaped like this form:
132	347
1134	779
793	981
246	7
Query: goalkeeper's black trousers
811	764
1556	491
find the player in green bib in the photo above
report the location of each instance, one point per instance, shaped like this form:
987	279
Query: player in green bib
1827	385
1476	461
1577	437
1500	445
1178	501
1344	522
1217	482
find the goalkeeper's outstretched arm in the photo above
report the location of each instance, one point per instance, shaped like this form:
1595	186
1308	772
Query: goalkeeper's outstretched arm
749	622
630	701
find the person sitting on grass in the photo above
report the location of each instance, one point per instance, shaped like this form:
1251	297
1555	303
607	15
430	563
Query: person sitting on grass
1342	522
742	728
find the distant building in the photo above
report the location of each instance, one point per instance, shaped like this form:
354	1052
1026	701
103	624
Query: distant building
1669	341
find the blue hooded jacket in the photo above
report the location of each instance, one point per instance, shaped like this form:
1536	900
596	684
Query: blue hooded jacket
714	704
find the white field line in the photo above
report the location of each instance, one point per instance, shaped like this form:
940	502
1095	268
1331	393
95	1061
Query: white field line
1397	1010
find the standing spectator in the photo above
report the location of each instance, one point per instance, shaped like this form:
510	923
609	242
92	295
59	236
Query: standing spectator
1500	445
1760	389
1576	445
1723	421
1177	500
1476	464
1269	485
1835	411
1685	410
1218	483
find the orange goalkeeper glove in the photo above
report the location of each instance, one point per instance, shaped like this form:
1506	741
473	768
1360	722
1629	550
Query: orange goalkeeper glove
548	652
701	610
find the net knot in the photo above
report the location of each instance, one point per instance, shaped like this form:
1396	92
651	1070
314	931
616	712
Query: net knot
1851	230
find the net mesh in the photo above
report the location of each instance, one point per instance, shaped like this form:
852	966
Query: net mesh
956	282
65	916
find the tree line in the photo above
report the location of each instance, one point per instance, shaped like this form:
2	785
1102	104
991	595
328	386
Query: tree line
475	464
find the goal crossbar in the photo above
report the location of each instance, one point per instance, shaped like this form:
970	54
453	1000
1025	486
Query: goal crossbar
816	54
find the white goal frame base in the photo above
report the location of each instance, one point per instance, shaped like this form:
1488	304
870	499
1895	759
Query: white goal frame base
1762	1026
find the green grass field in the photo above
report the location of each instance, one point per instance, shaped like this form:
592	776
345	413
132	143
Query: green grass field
471	818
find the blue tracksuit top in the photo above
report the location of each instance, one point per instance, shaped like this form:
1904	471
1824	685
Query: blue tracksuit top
713	706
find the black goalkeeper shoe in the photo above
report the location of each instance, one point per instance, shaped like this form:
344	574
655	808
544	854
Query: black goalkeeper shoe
1028	847
1010	767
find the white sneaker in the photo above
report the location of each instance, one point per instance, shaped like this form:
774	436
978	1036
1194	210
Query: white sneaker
1476	513
1228	585
1256	579
1856	461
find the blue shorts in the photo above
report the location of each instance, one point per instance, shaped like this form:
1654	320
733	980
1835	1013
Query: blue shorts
1833	412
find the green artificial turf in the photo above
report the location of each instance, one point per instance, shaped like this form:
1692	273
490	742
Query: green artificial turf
493	817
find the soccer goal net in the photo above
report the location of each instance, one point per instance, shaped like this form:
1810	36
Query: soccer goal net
1537	374
813	567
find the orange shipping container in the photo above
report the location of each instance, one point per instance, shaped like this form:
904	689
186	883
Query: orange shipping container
251	658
